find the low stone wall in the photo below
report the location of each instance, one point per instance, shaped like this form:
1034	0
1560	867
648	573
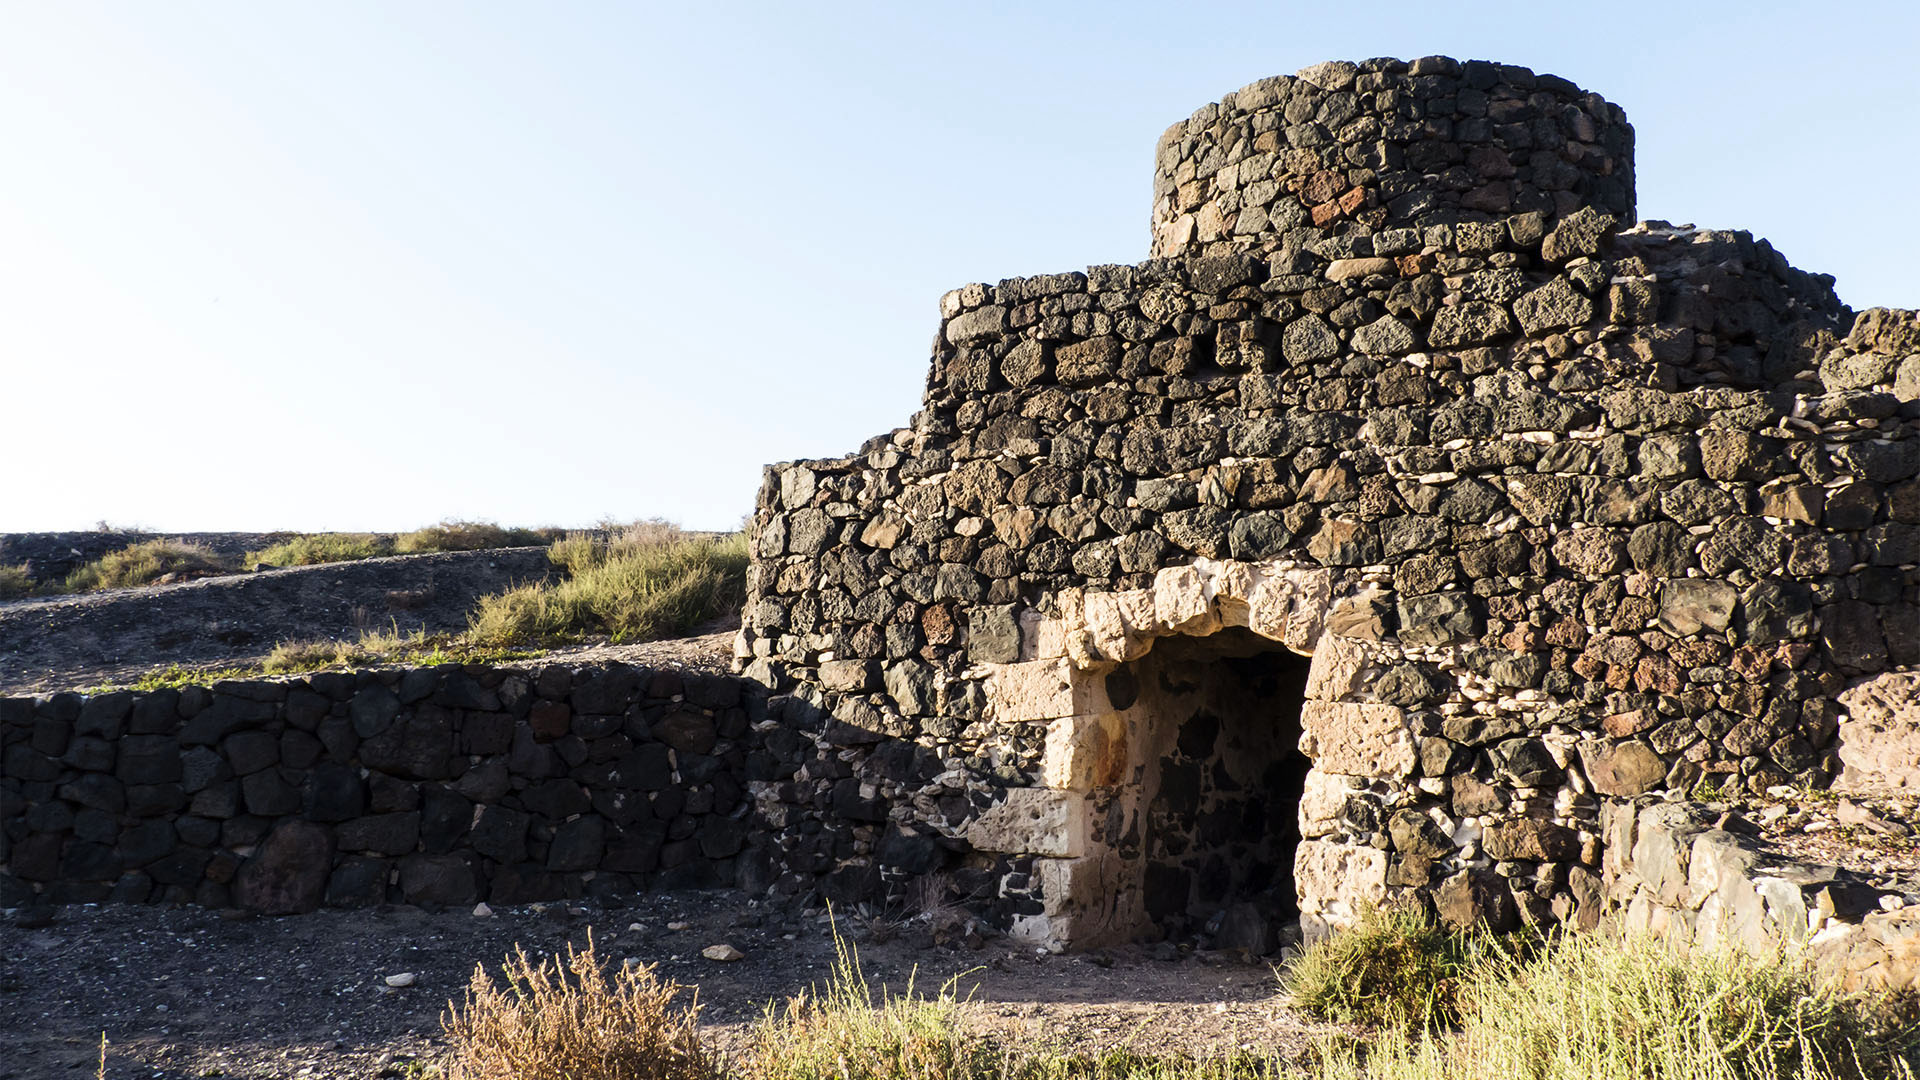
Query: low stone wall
1670	870
442	785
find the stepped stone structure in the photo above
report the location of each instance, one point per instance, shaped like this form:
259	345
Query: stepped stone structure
1411	516
1414	526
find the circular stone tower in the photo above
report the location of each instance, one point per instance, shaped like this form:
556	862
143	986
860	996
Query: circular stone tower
1342	151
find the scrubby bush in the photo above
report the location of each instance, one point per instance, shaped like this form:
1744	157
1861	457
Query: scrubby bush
649	582
468	536
575	1020
1394	968
144	563
1593	1007
14	582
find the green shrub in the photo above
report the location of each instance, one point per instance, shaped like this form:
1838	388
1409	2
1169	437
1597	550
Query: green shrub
1395	968
468	536
638	586
14	582
315	548
144	563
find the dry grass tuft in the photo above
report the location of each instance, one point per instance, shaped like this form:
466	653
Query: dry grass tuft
572	1020
1395	968
468	536
14	582
646	582
315	548
844	1031
144	563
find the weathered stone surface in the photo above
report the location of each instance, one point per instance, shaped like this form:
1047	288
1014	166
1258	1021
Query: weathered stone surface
1034	821
1358	739
288	874
1622	769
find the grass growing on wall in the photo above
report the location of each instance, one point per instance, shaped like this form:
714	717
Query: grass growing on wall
145	563
374	649
647	581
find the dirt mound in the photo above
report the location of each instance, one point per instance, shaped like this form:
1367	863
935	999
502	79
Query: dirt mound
50	556
68	641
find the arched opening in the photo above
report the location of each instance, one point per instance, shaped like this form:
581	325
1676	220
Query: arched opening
1220	786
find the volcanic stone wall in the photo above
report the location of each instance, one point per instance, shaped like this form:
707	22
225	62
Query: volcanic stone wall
1349	149
436	785
1590	510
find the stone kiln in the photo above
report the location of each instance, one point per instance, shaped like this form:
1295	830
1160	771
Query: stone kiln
1411	528
1566	511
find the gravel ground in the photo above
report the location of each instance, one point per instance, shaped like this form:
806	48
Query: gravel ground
190	992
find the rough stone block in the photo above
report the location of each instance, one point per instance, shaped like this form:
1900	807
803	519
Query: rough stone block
1034	821
1358	739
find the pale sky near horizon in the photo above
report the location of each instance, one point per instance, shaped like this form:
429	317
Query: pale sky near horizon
355	265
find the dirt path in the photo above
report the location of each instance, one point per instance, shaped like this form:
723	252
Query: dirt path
194	993
63	642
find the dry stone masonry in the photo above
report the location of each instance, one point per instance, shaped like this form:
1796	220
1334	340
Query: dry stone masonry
1415	527
444	785
1409	513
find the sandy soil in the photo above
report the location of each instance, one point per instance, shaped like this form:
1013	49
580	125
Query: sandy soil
189	992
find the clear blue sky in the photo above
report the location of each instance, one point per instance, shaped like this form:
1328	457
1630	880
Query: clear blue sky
342	265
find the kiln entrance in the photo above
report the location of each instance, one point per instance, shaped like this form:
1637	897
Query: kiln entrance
1221	780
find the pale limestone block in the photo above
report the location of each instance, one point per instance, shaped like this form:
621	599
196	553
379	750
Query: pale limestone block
1269	606
1231	584
1043	690
1335	670
1335	882
1321	802
1879	736
1181	604
1121	623
1342	269
1312	595
1049	640
1085	752
1082	652
1034	821
1091	901
1662	842
1358	740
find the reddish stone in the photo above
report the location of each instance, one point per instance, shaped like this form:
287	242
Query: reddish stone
550	720
1621	725
1657	673
1752	662
1568	633
937	623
